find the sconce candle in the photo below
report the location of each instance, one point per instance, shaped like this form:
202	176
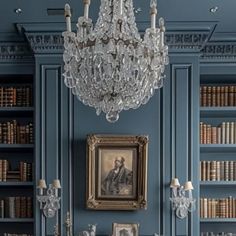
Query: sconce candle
41	186
174	185
189	187
56	185
180	203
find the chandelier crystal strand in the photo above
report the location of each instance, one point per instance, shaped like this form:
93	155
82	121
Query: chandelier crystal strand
109	66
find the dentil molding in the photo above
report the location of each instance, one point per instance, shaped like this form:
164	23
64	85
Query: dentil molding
42	43
219	51
15	51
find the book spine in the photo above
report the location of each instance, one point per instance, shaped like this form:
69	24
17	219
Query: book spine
204	96
223	133
226	96
231	132
209	96
231	95
222	96
227	133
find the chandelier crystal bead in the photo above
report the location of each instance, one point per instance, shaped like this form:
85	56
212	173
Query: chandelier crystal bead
108	65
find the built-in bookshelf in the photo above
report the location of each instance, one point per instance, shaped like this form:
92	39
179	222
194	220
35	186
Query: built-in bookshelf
17	155
217	142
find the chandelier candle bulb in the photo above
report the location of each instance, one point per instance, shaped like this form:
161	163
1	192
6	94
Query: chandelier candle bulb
153	13
68	17
86	8
121	7
162	29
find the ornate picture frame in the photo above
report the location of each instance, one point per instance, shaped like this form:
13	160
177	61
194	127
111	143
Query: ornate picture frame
125	229
117	172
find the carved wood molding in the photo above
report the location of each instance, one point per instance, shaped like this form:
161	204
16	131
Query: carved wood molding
15	51
53	43
190	40
46	43
219	51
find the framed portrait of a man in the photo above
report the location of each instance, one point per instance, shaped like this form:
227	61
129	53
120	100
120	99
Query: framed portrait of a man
117	172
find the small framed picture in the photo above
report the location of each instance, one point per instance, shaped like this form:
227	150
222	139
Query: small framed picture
125	229
116	172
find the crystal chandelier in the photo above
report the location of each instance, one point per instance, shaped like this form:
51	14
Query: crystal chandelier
109	66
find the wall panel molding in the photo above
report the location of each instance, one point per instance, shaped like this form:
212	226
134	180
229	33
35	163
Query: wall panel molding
180	144
53	152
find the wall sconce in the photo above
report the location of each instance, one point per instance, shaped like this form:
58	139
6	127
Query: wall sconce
182	203
48	198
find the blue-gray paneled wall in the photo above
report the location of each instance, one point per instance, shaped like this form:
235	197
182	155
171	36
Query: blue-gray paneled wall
145	120
53	130
170	119
180	137
62	124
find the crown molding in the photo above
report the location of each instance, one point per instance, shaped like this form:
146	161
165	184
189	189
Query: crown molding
219	51
45	43
180	36
15	51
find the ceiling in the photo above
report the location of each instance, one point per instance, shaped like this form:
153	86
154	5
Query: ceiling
172	10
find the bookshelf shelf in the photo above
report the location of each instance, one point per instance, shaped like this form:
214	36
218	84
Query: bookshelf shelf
16	220
218	220
218	183
15	184
212	112
16	146
16	111
218	148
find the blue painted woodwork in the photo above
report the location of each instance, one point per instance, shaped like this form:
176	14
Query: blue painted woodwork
180	137
52	133
171	120
145	120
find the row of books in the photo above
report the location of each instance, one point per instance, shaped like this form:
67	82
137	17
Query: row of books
17	96
12	132
7	234
218	170
218	208
16	207
217	234
23	173
225	133
218	96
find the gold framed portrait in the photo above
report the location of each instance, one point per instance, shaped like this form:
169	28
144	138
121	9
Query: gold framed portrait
117	172
125	229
